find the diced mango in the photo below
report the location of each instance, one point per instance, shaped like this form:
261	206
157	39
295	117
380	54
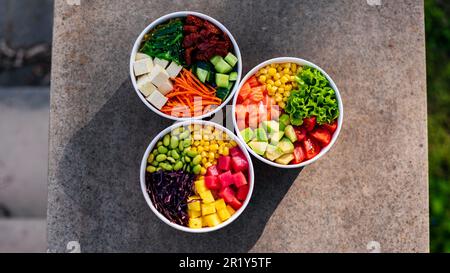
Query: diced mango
212	220
224	214
194	214
200	186
195	222
207	197
208	209
220	204
230	209
204	224
194	205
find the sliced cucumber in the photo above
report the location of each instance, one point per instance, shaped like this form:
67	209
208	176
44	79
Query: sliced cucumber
223	67
222	93
215	60
202	74
233	76
231	59
211	77
222	80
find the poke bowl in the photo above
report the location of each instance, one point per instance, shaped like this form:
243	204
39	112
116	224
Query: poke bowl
288	112
185	65
197	176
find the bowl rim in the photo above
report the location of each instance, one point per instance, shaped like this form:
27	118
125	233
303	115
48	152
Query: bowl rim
301	62
163	19
143	167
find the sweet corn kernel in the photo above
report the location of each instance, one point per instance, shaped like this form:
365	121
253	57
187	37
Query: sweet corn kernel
204	161
272	71
262	79
226	151
277	83
213	147
277	76
195	222
279	68
282	105
200	149
281	90
208	164
271	82
233	143
284	79
292	78
287	93
216	156
263	71
288	87
293	67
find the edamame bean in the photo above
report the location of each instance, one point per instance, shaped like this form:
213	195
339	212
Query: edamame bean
166	166
159	143
196	169
191	153
175	155
174	142
155	163
161	157
176	131
181	146
151	169
171	159
188	169
197	160
178	165
187	143
187	159
166	140
162	150
150	158
158	169
184	135
155	152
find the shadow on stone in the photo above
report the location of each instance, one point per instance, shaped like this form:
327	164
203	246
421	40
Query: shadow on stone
99	174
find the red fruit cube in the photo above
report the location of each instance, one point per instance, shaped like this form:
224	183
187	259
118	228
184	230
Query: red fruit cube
309	123
227	194
212	171
235	204
322	136
239	179
239	163
331	127
226	179
311	148
212	182
236	151
242	192
224	163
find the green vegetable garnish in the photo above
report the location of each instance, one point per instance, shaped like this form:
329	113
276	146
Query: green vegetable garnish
314	97
165	42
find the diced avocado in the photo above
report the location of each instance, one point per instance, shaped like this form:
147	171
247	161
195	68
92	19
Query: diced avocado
202	74
231	59
261	135
215	60
258	146
286	145
290	133
270	126
275	137
222	80
273	152
223	67
233	76
285	159
222	93
285	119
247	134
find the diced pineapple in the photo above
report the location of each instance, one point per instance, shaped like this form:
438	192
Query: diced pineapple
230	209
208	209
195	222
200	186
204	224
212	220
207	197
194	214
194	205
220	204
224	214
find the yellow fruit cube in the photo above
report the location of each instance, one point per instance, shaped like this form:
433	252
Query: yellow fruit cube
230	209
195	222
207	197
212	220
194	205
220	204
194	214
208	209
204	224
224	214
200	186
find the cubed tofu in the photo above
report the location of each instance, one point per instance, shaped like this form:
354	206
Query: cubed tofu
208	208
220	204
143	66
173	70
141	56
224	214
157	99
158	75
194	205
194	214
166	87
212	220
207	197
145	85
195	222
230	209
200	186
161	62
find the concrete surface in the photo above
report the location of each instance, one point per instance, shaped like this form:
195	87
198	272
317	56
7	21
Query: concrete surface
369	194
24	117
20	235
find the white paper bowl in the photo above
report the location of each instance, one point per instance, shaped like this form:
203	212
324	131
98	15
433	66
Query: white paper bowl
163	19
303	63
150	147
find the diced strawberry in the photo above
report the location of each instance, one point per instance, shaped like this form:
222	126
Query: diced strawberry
212	171
235	203
311	148
253	81
239	179
322	136
236	151
224	163
245	91
239	163
212	182
309	123
226	179
300	132
299	154
331	127
227	194
242	192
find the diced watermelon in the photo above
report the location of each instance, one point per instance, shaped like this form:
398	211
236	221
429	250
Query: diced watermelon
245	91
212	182
242	192
236	151
253	81
226	179
224	163
239	163
239	179
212	171
235	203
227	194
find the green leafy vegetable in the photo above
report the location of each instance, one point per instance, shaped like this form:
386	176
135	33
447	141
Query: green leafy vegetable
314	97
165	41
